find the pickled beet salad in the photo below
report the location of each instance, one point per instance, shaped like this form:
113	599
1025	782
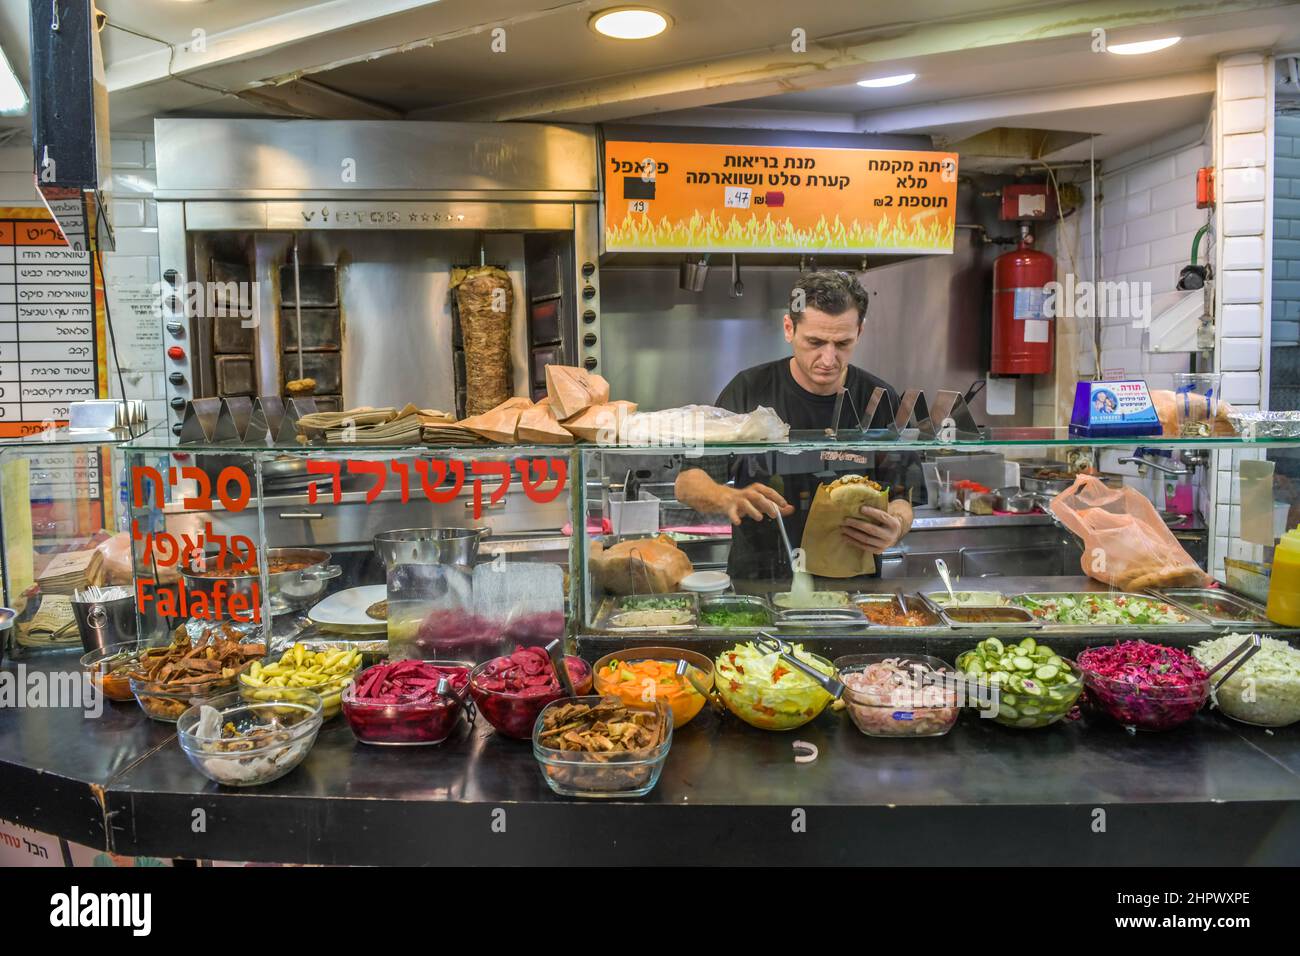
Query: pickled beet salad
511	691
400	702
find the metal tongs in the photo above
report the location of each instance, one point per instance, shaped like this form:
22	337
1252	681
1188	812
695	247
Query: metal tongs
1242	653
771	644
553	651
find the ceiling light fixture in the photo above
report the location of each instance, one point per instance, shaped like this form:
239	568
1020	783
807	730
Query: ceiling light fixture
883	81
1142	46
630	23
13	98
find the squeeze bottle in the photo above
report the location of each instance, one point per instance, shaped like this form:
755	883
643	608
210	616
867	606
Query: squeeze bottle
1284	583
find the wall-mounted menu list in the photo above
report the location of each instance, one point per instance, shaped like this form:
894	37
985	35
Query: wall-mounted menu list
51	331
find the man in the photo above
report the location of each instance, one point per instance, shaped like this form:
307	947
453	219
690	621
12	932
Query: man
827	310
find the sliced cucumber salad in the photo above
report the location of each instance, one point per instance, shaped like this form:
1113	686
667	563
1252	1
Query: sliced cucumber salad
1035	686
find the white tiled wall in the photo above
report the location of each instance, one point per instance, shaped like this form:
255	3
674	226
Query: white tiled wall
1148	219
1243	160
135	221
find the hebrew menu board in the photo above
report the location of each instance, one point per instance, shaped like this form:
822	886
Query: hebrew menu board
52	349
698	197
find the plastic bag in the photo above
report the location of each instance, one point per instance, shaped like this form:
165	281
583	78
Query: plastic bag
639	566
1125	542
703	424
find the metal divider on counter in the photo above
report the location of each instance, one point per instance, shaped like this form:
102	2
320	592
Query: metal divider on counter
219	421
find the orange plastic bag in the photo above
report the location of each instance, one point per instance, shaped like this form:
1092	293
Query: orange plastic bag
1125	542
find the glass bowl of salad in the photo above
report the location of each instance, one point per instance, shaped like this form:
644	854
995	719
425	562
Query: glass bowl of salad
1144	686
897	695
510	691
1264	691
110	669
642	675
765	692
1036	687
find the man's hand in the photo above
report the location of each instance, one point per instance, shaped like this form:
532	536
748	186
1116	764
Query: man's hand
695	488
877	530
755	502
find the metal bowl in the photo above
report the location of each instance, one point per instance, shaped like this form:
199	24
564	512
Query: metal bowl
288	590
429	545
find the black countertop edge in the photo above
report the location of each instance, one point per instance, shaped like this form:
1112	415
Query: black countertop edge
378	833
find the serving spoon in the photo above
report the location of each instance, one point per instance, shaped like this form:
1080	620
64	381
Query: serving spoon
941	566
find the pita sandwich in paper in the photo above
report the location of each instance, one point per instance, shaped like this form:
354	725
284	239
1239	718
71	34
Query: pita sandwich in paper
498	424
571	390
826	552
539	424
601	423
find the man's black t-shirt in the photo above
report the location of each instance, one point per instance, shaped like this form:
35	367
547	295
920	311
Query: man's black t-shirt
756	549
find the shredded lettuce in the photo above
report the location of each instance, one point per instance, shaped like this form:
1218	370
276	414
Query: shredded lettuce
1266	689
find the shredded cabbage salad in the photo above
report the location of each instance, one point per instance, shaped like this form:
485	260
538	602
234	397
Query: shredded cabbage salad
1266	689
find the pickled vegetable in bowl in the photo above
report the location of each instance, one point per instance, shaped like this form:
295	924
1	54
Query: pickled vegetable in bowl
511	691
765	692
1265	691
891	695
1035	685
643	675
1144	686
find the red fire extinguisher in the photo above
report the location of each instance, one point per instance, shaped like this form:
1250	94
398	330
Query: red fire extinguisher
1024	326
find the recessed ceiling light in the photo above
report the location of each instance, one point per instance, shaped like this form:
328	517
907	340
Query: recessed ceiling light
13	98
1142	46
882	81
629	23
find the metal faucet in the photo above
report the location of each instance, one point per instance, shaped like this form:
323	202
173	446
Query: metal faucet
1158	466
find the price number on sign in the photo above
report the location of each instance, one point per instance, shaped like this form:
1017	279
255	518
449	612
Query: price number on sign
738	197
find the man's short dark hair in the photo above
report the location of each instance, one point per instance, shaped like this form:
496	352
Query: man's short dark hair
828	291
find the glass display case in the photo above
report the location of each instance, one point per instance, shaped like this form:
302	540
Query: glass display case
456	553
471	547
1183	513
62	510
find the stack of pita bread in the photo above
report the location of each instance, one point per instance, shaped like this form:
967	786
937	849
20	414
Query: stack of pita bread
576	407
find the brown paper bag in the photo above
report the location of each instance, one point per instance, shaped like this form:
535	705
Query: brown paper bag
571	389
826	552
539	424
600	423
498	424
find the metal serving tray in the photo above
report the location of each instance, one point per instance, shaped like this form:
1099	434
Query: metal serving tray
687	599
736	601
820	618
932	598
912	602
955	617
1194	622
1250	616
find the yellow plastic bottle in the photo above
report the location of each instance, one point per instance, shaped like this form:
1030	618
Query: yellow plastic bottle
1284	584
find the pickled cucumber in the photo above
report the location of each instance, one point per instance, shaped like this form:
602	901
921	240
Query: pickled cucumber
1036	686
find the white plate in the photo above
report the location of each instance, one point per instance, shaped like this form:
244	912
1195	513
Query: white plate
706	582
346	610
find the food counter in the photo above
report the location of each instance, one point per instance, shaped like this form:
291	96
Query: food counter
726	796
729	791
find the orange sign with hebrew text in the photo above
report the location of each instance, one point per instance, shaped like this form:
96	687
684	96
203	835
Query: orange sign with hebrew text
692	197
